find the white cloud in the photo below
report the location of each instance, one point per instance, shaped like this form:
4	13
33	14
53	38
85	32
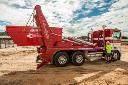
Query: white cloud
19	2
16	17
115	18
60	12
119	5
62	9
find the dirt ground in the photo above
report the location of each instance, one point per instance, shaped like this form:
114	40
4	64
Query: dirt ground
18	67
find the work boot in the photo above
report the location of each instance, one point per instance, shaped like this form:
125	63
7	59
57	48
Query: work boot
107	62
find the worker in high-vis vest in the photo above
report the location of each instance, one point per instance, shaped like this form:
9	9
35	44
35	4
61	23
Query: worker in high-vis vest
108	48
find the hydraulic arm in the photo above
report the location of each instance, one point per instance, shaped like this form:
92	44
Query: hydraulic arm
42	24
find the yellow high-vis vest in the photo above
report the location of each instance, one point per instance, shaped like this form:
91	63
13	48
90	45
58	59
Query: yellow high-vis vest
108	48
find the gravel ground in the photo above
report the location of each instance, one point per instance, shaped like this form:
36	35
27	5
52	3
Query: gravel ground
18	67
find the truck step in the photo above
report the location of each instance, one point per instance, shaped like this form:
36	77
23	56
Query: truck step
94	56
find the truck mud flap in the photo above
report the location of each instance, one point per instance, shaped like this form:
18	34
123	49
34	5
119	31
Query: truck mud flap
44	62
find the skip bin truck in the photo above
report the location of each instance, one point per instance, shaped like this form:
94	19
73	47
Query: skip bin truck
53	48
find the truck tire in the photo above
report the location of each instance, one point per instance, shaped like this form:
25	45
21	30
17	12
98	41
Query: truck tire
116	55
61	59
78	58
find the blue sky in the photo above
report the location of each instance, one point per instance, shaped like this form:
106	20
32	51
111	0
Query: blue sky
3	23
75	16
95	11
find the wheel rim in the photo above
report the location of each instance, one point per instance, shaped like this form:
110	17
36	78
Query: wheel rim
79	58
115	55
62	59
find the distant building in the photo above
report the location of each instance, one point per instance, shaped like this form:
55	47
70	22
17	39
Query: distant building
5	41
3	34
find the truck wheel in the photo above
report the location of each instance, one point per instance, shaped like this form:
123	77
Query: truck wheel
78	58
61	59
116	55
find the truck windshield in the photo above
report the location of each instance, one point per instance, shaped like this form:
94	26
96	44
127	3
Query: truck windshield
116	35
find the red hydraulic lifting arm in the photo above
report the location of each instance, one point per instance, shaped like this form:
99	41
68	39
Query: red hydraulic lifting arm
42	24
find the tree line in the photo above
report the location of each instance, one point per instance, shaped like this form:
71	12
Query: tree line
3	33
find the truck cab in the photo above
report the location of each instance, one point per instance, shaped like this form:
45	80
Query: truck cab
100	37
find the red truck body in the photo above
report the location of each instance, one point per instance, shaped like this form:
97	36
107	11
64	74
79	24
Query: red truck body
51	42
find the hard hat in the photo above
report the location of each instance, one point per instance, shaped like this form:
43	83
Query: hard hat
107	42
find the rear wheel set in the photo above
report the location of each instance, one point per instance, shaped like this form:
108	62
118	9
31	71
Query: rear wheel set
61	59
